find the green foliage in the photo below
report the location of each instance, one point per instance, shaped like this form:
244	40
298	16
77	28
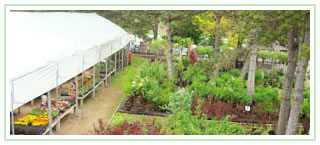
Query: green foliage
305	106
184	123
205	51
235	72
274	79
155	70
269	97
184	42
200	87
193	73
208	65
158	46
153	83
131	74
206	41
185	62
276	55
305	51
259	77
227	87
180	101
131	118
178	69
101	67
186	29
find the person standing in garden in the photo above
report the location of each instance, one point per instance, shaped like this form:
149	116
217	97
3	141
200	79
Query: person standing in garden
193	55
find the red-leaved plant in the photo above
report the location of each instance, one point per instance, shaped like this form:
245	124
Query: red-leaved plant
125	128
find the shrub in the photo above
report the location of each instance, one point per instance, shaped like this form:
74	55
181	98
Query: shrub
278	55
235	72
228	88
158	46
180	100
136	128
193	73
184	123
205	51
305	106
152	82
155	70
268	97
185	62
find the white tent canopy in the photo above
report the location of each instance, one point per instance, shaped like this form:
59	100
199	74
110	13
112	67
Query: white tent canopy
40	45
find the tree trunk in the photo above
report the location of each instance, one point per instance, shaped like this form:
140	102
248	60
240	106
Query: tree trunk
252	70
298	95
287	89
217	43
155	31
217	36
245	68
170	69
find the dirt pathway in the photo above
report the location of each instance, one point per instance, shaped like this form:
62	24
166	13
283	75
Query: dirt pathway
103	106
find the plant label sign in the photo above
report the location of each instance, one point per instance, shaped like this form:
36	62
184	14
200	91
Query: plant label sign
247	108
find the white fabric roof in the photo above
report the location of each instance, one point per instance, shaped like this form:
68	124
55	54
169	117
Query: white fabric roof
33	39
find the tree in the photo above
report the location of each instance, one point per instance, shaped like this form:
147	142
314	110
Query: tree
170	66
169	17
245	68
252	65
137	22
294	25
185	28
298	95
214	24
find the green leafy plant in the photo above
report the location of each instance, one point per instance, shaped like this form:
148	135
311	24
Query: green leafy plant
268	97
205	51
229	88
305	106
179	100
276	55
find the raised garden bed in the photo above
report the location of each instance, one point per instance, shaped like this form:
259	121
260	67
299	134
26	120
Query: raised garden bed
139	105
220	109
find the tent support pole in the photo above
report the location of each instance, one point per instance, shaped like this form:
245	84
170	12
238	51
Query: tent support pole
122	57
50	115
77	97
94	81
57	97
12	101
99	67
106	79
125	56
128	54
115	62
82	81
81	103
32	102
